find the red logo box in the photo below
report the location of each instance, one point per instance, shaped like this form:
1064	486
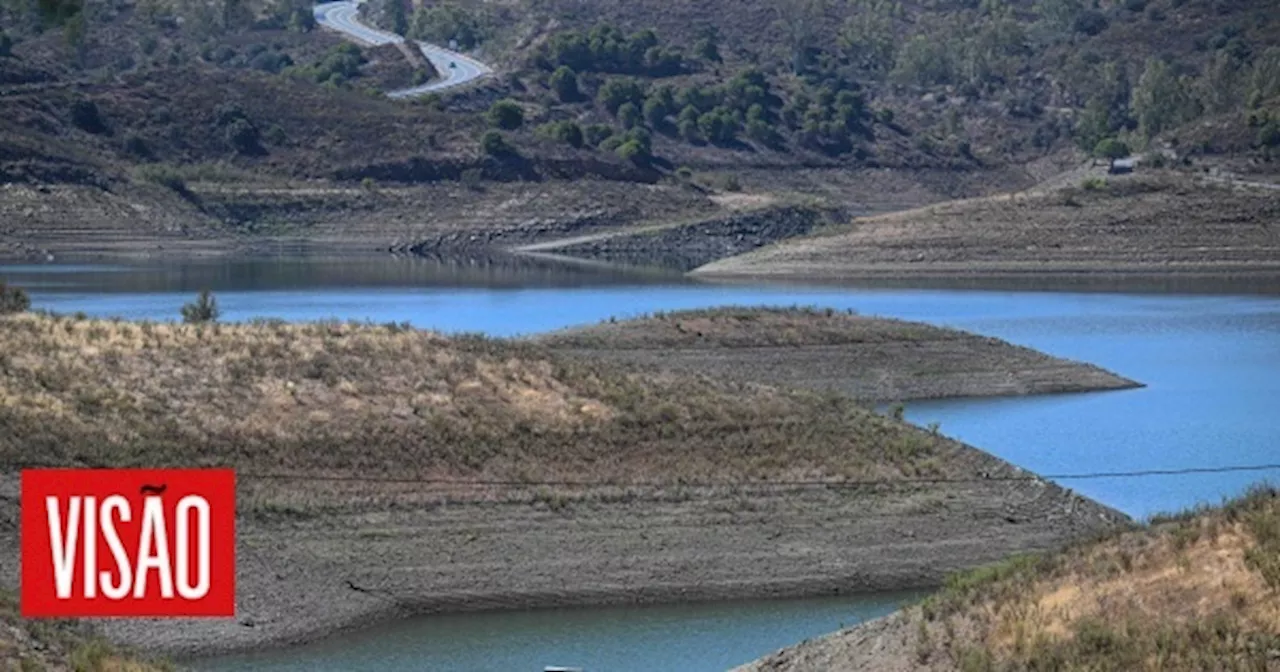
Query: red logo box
128	542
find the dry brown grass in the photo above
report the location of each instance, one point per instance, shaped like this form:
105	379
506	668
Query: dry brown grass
39	645
371	400
747	327
1197	593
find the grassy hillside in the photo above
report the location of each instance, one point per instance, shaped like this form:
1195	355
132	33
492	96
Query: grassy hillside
388	400
1192	592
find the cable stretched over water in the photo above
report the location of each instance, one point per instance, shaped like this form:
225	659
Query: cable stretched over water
1028	477
941	480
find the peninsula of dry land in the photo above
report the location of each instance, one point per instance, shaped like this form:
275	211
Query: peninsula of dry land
1154	223
868	358
485	474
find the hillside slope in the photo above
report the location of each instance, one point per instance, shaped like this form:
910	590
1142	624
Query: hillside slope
1195	593
1157	222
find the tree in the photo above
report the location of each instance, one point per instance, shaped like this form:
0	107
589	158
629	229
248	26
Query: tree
506	114
564	81
569	133
494	144
655	111
1111	149
86	117
629	115
707	46
204	309
1159	101
1269	135
867	37
799	21
243	137
619	90
6	45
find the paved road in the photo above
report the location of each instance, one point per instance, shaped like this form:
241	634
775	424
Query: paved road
455	69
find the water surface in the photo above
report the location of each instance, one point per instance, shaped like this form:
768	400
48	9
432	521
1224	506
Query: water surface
1208	351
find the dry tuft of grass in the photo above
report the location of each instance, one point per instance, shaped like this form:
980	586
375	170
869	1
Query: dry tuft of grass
1200	592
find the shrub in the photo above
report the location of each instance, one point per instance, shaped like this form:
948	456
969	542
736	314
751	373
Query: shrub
1090	22
6	45
494	144
629	115
564	81
242	136
276	135
203	309
225	113
619	90
86	117
597	133
569	133
632	151
13	299
1269	135
135	145
1110	148
1094	183
655	111
506	114
443	22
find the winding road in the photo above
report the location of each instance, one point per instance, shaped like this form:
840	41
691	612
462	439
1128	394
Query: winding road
455	69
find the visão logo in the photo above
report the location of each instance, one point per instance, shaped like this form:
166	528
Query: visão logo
128	542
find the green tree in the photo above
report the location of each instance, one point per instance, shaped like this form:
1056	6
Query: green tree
444	22
6	45
506	114
564	81
203	309
242	136
1160	100
629	115
494	144
595	134
619	90
867	37
655	111
1269	135
1111	149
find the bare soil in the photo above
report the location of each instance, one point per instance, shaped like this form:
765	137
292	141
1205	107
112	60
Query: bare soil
1162	222
868	358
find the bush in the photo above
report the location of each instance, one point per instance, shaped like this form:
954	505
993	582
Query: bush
135	145
632	151
506	114
1110	148
494	144
276	135
564	81
1269	135
204	309
567	132
6	45
13	299
629	115
607	49
441	23
617	91
597	133
86	117
242	136
1090	22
